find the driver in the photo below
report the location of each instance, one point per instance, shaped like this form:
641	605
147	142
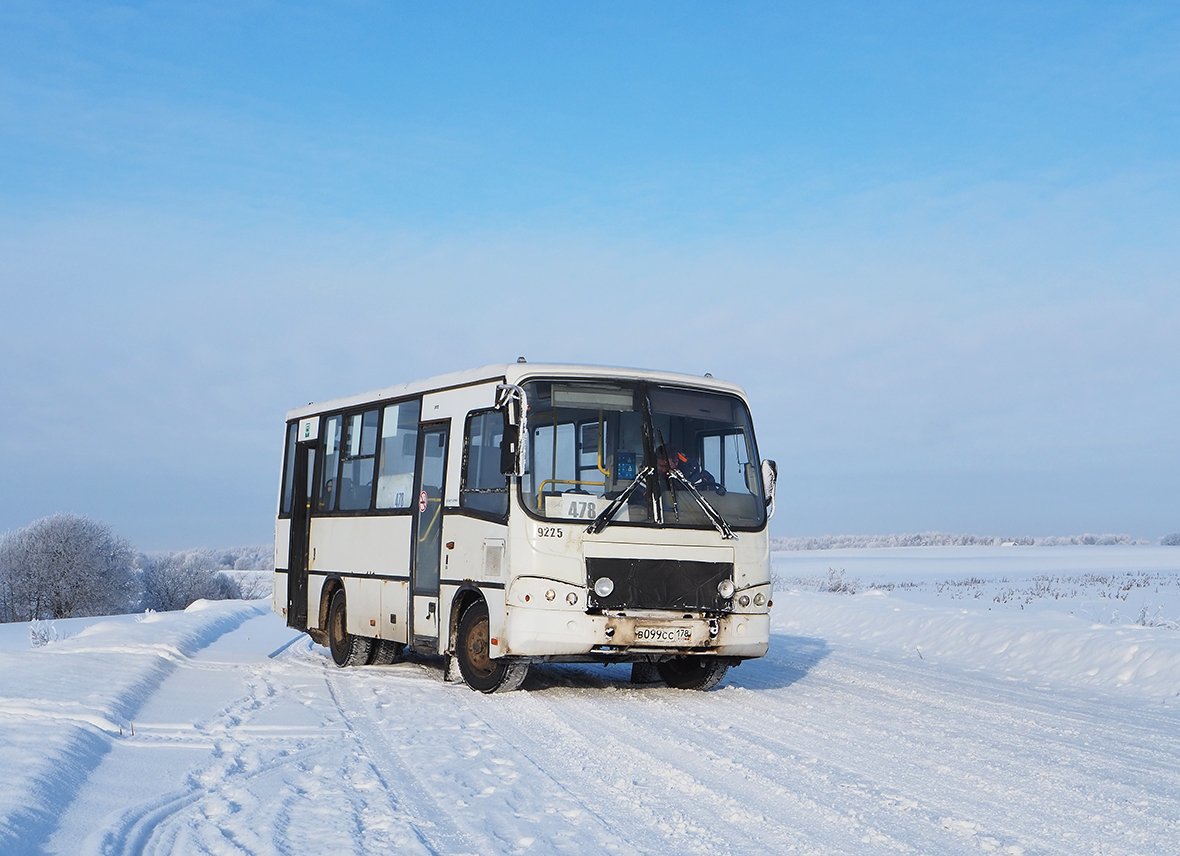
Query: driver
669	458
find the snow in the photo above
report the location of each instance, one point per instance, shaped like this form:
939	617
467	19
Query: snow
931	714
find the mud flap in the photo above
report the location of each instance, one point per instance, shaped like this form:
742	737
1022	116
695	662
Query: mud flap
451	670
645	673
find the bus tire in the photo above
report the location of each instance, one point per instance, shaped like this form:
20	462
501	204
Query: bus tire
693	673
385	651
478	669
347	649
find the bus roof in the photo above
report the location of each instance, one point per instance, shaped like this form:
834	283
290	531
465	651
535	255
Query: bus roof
512	373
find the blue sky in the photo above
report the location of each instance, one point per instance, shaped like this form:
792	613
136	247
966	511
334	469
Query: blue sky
936	242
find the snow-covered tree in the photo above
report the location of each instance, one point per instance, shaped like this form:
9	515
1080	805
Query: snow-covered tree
64	566
174	580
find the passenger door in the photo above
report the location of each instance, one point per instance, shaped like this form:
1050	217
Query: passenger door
429	486
303	468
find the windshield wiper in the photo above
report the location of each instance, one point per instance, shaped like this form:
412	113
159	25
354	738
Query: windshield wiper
600	522
714	517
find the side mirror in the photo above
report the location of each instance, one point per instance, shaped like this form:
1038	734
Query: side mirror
511	399
769	482
509	449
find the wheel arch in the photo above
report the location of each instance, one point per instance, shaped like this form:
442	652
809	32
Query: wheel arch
331	585
467	594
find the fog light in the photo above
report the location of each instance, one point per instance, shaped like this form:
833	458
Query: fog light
549	595
572	598
759	600
603	586
744	601
725	589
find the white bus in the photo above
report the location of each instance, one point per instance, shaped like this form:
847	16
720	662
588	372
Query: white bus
522	513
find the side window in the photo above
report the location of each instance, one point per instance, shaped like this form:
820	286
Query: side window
398	447
289	470
727	457
329	476
359	455
484	487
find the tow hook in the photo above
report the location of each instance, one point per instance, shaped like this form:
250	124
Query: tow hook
714	628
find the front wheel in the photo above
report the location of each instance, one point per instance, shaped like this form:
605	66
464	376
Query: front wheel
693	673
347	649
476	665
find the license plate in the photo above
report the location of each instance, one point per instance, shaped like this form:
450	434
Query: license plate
664	635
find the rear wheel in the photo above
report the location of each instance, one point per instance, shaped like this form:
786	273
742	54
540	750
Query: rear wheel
347	649
479	670
693	673
385	651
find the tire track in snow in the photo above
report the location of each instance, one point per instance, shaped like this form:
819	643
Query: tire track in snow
638	751
156	825
72	750
432	821
856	752
255	795
992	758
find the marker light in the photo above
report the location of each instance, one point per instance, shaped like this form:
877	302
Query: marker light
603	586
725	589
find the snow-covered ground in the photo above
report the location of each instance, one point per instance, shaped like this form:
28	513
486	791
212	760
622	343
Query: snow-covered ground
978	699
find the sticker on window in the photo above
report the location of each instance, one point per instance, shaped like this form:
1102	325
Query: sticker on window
575	506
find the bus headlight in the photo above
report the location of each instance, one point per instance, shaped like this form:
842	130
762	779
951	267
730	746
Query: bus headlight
759	600
744	601
603	586
549	595
572	598
725	589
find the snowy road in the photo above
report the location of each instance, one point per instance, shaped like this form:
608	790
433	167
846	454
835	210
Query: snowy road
835	743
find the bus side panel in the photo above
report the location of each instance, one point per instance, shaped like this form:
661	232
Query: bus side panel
361	545
474	555
278	598
497	622
394	620
478	557
282	542
364	605
315	593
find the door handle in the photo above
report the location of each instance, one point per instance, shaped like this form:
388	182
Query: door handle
429	611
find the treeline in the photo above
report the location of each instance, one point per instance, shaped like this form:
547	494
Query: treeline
942	539
70	566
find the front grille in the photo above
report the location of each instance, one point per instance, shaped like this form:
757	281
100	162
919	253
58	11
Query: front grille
658	583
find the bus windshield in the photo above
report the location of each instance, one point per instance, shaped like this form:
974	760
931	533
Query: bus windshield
682	452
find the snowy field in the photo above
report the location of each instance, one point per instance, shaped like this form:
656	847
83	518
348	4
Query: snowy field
925	700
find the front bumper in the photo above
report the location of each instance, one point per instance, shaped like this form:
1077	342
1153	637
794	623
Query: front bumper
552	633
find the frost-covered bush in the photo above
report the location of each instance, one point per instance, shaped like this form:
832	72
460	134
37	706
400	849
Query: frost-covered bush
41	633
1171	540
259	557
64	566
838	583
174	580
